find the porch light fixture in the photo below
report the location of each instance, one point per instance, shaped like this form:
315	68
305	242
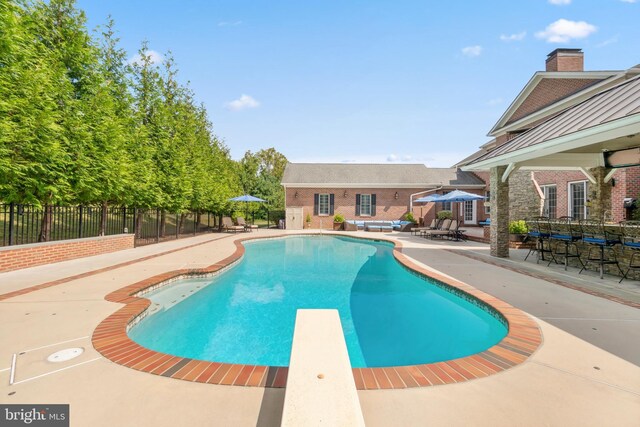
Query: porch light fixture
345	193
396	195
296	195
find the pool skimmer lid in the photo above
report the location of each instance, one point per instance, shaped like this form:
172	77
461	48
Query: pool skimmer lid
66	354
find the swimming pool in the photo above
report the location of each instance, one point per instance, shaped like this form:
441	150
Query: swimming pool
390	316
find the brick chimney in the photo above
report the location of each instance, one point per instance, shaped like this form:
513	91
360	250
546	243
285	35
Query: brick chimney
565	60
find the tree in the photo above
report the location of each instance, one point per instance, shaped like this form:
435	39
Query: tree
78	124
260	175
35	91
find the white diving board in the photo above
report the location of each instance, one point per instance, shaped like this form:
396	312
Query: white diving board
320	386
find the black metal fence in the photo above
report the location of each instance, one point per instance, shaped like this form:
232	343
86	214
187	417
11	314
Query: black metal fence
274	217
22	224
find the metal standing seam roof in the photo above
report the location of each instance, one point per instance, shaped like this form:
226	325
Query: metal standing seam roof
607	106
326	174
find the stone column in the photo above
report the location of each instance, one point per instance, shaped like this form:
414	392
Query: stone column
499	213
599	195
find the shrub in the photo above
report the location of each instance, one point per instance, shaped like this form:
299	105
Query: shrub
409	217
444	215
308	218
518	227
338	218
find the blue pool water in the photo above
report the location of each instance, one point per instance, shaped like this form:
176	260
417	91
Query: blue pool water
246	315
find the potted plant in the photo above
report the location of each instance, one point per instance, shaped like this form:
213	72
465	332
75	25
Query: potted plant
444	215
409	217
338	220
518	231
308	220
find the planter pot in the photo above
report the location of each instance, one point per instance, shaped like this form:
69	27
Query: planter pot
337	226
308	225
517	237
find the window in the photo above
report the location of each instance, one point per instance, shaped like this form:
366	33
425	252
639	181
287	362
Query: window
578	200
323	204
550	201
365	204
469	211
487	203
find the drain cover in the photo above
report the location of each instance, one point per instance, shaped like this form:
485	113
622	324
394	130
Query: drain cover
66	354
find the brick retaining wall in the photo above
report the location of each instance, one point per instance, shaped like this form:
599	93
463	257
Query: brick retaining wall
24	256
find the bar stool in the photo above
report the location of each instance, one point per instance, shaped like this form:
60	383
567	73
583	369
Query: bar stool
599	238
631	240
566	232
539	230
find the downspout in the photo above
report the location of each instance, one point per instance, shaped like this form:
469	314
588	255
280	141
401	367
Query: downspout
540	193
420	192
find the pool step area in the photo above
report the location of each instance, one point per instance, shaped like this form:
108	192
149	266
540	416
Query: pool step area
320	386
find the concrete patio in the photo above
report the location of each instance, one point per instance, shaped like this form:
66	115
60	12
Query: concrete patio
585	373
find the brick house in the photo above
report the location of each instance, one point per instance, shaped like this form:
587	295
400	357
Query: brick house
546	190
372	192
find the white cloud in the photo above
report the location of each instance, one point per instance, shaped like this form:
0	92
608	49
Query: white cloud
392	158
495	101
156	57
229	23
407	158
242	103
513	37
629	1
608	41
560	2
563	31
472	51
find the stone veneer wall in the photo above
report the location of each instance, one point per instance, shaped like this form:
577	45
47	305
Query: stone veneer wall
524	200
24	256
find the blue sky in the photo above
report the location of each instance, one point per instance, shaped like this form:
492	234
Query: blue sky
367	81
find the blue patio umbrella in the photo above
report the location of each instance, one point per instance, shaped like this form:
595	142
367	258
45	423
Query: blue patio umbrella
429	198
459	196
246	198
454	196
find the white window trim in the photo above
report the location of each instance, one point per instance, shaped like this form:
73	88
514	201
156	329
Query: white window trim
542	188
487	203
361	204
328	204
474	213
570	198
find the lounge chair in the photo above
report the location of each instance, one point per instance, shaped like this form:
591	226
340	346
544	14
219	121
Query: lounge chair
432	226
443	230
248	227
227	225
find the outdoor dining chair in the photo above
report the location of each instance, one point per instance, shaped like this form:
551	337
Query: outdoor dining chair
601	241
631	240
565	233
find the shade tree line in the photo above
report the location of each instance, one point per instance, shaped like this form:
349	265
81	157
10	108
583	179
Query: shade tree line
80	124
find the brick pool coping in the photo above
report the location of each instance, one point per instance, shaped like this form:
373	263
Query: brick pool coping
111	340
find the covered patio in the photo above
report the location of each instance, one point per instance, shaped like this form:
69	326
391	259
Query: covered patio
596	137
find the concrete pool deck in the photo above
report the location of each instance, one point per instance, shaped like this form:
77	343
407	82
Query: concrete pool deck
568	381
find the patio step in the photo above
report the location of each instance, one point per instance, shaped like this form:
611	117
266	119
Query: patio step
320	386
